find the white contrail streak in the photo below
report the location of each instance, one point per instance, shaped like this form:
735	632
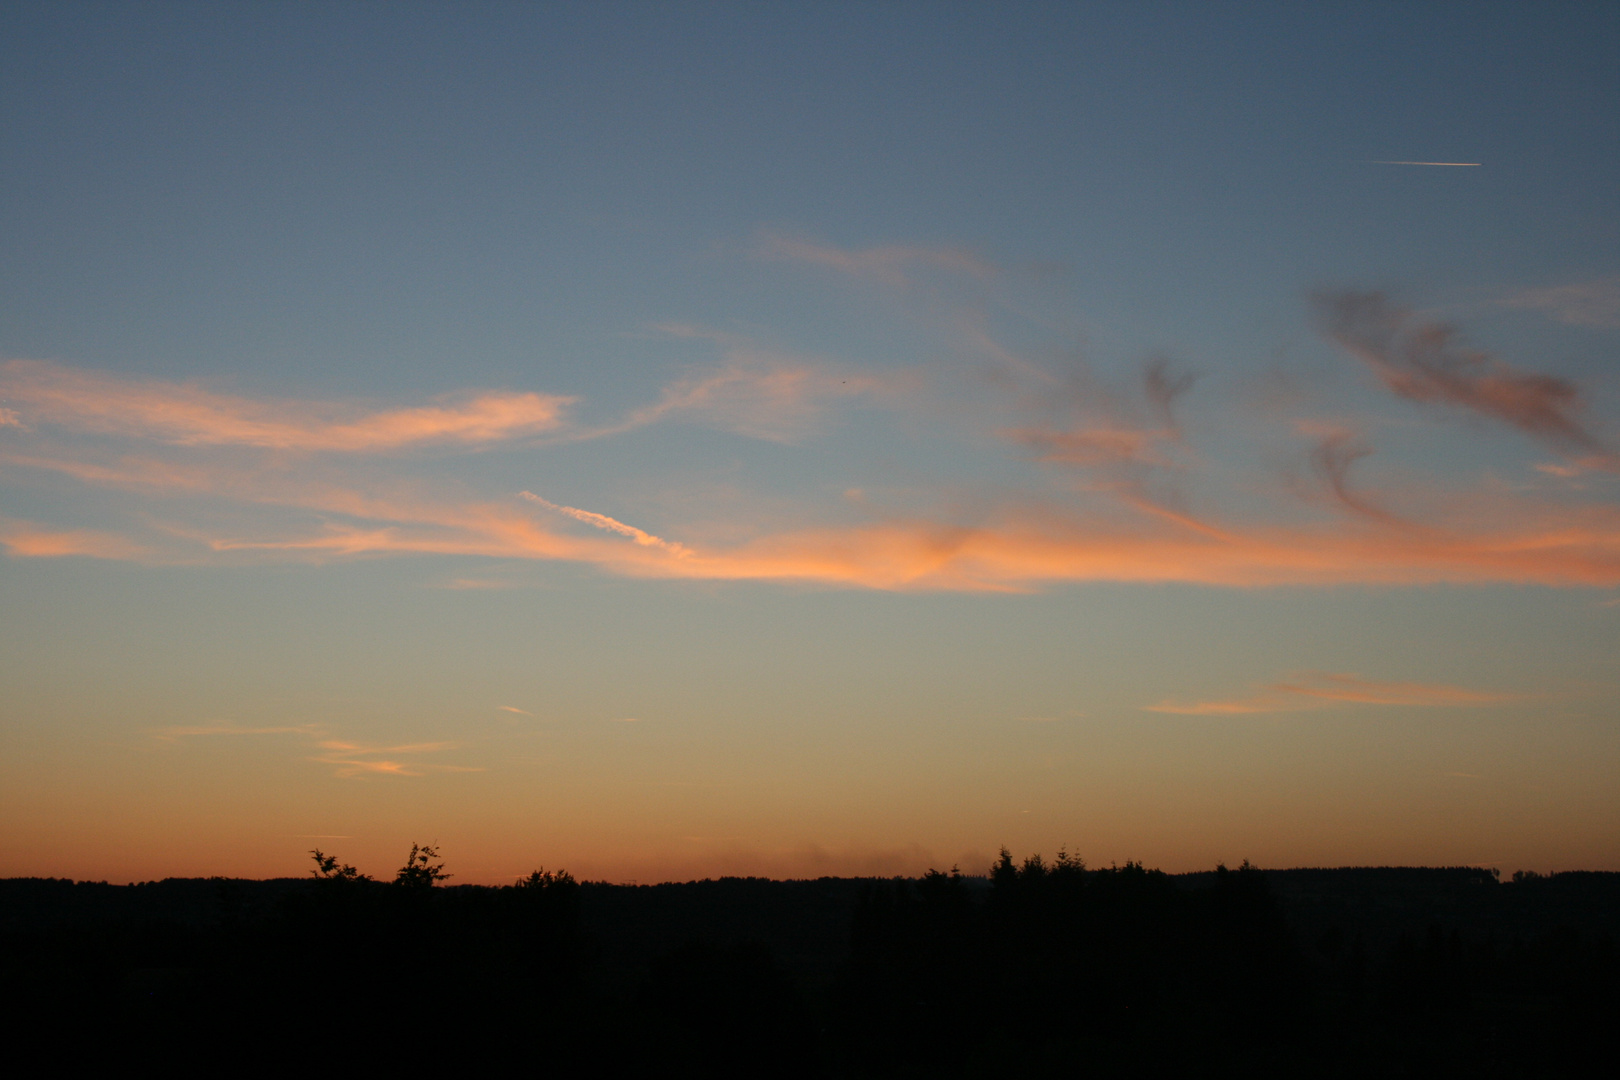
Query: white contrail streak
1448	164
602	521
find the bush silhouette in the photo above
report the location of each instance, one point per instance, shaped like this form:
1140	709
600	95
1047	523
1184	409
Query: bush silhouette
420	871
327	868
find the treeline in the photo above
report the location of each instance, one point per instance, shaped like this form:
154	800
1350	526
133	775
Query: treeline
1127	970
1034	969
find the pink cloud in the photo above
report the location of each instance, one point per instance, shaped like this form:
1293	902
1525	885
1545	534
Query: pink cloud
348	758
1003	545
28	540
353	759
185	414
1489	537
1034	551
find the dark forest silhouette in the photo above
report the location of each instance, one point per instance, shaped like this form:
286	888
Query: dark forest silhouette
1035	968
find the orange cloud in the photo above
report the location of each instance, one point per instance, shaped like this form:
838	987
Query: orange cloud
349	758
1320	690
1486	538
27	540
1027	553
185	414
352	759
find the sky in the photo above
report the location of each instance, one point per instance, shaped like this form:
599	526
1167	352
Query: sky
672	440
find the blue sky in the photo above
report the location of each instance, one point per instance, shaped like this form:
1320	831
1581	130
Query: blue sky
942	426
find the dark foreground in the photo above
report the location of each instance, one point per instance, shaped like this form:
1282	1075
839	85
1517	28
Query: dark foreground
1042	970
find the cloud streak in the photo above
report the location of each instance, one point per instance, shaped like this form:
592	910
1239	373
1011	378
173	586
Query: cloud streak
1317	690
185	414
888	264
1589	303
233	497
1336	450
1093	446
759	392
602	521
354	759
348	759
1088	429
1423	362
1489	538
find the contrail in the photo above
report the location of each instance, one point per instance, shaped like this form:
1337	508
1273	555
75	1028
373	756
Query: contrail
1449	164
602	521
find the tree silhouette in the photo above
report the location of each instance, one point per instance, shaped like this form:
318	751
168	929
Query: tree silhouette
327	868
545	879
420	871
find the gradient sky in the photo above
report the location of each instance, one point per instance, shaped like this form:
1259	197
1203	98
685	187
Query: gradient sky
674	440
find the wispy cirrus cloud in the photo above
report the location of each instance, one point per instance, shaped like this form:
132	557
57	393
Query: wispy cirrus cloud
348	759
1083	427
1424	362
1315	690
244	500
1588	303
1089	446
760	392
1336	450
1491	537
1031	551
891	264
185	414
355	759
